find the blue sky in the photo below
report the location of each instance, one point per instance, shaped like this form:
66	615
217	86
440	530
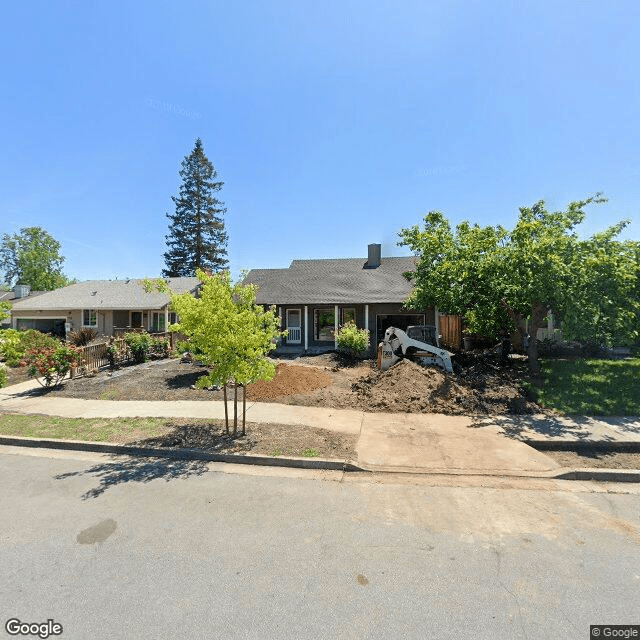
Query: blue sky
332	124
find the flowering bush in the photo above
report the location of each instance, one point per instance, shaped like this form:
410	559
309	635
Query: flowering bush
352	340
4	379
49	365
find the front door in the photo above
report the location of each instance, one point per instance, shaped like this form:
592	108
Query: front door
294	326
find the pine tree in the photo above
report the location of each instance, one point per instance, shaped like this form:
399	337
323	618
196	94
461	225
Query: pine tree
197	238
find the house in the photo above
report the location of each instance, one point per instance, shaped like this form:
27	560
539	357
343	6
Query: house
18	292
108	306
315	297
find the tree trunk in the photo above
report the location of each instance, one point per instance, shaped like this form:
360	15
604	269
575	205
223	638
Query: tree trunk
244	408
532	353
235	409
226	413
539	312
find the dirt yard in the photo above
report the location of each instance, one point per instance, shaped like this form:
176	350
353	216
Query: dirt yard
482	386
595	459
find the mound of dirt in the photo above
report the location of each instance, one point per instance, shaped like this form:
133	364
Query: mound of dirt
411	388
289	380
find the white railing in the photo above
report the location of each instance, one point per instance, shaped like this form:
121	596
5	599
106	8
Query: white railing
294	336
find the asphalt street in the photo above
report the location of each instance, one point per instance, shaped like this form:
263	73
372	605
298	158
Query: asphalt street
119	548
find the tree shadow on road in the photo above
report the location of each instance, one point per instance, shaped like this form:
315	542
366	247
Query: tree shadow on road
124	470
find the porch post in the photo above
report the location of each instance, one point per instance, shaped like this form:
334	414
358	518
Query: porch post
166	318
335	327
306	329
366	321
149	320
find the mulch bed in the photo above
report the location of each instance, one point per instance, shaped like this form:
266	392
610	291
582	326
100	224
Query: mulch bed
16	375
261	438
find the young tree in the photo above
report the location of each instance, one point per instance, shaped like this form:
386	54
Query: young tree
32	257
197	237
502	279
229	332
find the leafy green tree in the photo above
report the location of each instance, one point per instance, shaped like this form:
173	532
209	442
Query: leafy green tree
502	279
229	332
32	257
197	237
5	309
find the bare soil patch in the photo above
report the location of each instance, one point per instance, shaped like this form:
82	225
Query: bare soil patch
290	379
480	386
596	459
16	375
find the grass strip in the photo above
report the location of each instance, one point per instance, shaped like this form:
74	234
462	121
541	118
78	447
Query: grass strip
590	387
91	429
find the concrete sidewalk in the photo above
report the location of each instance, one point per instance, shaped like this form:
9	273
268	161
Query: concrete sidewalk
555	431
418	443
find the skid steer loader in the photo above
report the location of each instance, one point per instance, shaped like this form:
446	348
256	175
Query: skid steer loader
398	345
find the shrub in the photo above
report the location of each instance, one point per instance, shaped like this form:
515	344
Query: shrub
139	344
10	350
49	365
159	348
15	344
352	340
33	339
4	378
82	337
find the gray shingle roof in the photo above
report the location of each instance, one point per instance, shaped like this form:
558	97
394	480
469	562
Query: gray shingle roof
334	281
105	294
10	295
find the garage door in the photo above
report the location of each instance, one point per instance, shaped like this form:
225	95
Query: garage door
54	326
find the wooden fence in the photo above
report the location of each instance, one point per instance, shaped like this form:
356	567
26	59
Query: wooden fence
451	331
95	356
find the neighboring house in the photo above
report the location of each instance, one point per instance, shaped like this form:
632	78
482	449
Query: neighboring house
103	305
18	292
315	297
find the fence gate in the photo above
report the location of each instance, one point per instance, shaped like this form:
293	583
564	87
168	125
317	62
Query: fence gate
451	331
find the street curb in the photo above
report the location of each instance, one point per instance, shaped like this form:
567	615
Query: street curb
621	446
594	474
180	454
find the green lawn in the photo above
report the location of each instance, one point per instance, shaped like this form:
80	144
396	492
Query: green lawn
590	387
94	429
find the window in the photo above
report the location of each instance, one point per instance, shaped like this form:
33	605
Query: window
348	315
90	318
158	322
324	325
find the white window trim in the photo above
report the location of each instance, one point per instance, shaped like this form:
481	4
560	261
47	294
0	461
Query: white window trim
90	326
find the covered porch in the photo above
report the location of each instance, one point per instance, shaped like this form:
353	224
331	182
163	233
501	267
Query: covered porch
150	320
